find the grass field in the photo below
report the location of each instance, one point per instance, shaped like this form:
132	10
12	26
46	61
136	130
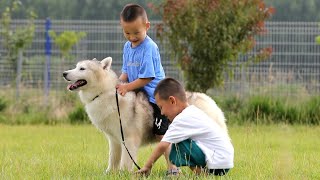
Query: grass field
80	152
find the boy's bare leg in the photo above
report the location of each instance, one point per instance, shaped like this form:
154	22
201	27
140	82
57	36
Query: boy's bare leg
166	154
169	164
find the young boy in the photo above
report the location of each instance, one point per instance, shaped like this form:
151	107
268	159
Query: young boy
197	141
142	67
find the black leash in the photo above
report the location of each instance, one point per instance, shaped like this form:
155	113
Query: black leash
122	133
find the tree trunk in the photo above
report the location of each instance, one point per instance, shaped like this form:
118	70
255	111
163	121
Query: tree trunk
19	69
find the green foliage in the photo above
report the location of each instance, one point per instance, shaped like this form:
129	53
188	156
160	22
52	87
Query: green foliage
318	40
271	110
79	115
206	35
3	104
33	118
26	112
232	104
311	111
30	118
30	108
19	38
66	40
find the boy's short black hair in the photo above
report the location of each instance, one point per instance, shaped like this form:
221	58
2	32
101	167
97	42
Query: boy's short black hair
131	12
170	87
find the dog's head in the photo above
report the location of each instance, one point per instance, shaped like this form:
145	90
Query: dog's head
87	73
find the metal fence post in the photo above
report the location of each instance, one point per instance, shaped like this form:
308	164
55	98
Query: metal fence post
47	63
19	69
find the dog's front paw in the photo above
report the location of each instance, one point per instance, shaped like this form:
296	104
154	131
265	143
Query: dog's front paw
108	170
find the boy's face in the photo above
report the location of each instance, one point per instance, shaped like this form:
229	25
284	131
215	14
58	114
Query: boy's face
135	31
168	106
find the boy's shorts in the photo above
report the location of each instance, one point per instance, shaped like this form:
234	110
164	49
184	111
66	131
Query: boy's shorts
188	153
161	123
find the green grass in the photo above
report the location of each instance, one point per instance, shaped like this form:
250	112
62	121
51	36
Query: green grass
81	152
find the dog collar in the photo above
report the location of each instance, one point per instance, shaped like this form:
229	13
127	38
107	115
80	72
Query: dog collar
96	96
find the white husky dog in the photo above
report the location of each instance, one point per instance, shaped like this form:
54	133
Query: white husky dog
96	81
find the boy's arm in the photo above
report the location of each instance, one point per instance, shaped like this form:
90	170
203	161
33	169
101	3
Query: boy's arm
136	84
157	152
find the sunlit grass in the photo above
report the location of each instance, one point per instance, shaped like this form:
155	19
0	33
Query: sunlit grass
81	152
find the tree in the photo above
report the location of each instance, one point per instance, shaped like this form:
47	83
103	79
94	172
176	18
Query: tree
15	41
66	40
206	35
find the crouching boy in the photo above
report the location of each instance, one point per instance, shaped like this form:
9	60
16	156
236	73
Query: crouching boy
196	140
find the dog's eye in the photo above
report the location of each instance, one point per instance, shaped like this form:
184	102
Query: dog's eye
81	69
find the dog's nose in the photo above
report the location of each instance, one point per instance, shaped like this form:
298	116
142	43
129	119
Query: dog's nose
65	74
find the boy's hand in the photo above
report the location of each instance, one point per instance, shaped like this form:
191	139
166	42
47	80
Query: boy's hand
122	89
143	171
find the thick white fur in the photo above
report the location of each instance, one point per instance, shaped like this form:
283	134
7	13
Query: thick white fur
136	113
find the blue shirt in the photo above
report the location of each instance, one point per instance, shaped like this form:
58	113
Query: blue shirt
143	61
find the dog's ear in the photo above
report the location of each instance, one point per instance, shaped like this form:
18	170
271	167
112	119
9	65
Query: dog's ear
106	63
94	59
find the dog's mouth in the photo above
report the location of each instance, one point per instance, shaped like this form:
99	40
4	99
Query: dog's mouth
77	84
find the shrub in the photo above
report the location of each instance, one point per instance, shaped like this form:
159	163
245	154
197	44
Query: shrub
264	109
311	111
3	104
34	118
232	104
278	111
293	115
79	116
231	107
257	109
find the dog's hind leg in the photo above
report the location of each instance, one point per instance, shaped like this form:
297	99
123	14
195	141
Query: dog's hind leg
133	146
114	154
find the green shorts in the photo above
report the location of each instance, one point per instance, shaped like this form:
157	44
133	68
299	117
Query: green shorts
187	153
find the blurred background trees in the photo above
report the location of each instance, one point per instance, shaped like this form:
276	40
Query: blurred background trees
295	10
289	10
79	9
